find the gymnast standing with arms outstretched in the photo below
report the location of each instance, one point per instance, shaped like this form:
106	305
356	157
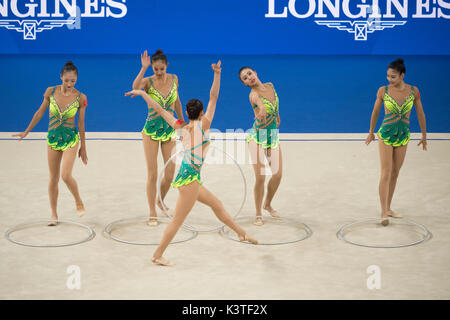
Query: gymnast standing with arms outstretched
187	181
394	134
263	140
163	88
63	137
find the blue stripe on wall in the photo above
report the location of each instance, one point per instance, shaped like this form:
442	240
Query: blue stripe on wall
328	94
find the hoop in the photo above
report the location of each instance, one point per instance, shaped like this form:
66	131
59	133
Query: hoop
16	228
340	233
185	225
305	227
108	231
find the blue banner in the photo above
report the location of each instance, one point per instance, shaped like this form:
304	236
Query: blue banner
328	27
318	94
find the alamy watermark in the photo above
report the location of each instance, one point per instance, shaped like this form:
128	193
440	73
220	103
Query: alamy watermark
74	280
374	280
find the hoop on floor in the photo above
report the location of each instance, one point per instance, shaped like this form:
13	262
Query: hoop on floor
109	228
307	230
46	221
185	225
341	233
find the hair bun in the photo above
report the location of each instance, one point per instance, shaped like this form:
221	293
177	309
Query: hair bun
159	55
69	66
398	65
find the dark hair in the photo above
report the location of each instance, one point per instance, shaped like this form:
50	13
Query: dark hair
243	68
69	67
398	65
159	55
193	108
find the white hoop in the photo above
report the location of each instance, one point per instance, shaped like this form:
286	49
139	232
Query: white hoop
108	230
16	228
187	226
305	227
340	233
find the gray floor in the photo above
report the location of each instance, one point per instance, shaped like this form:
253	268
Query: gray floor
326	184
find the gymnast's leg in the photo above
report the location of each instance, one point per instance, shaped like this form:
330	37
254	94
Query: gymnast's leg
69	157
54	164
257	157
386	160
186	199
276	165
167	150
151	156
399	154
209	199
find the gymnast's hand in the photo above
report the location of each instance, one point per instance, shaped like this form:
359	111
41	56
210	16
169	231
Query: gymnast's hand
134	93
423	142
370	138
20	135
145	60
261	114
216	67
83	155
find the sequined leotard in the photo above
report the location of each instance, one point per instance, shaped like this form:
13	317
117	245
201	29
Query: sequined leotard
394	130
156	127
265	132
191	164
65	134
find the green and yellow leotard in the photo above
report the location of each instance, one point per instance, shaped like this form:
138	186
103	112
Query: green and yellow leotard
62	134
156	127
191	165
265	132
394	130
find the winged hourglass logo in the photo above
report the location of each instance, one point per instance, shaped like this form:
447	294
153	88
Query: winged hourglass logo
29	28
25	17
360	28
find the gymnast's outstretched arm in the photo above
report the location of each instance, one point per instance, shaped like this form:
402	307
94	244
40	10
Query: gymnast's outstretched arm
37	116
140	81
214	93
171	120
260	110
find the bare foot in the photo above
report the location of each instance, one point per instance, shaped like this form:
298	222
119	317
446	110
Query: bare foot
248	238
258	221
162	262
153	222
384	219
168	210
80	209
392	214
271	211
54	222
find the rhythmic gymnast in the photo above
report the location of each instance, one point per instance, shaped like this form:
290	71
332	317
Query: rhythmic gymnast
393	135
188	181
163	88
263	141
63	138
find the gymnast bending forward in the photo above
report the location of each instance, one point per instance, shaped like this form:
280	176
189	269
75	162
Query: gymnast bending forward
187	181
